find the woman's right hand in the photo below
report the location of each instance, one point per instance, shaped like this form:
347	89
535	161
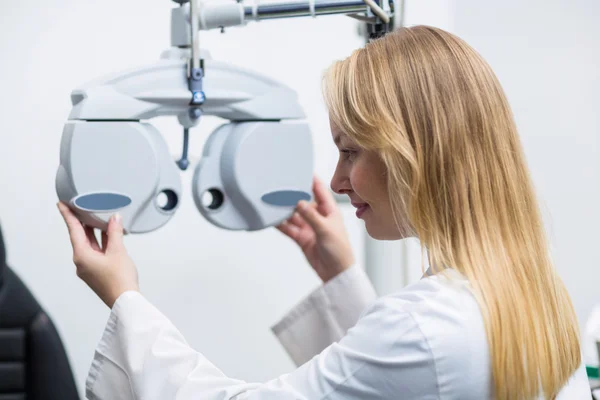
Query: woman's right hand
318	228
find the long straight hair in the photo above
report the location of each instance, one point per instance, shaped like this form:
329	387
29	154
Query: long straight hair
437	115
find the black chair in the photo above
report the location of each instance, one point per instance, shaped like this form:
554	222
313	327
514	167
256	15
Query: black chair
33	362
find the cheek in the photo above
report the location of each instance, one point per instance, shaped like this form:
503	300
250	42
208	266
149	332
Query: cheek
358	180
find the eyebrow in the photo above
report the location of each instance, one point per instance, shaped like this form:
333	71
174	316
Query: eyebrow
337	139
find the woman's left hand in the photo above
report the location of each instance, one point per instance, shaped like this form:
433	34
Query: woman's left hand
107	270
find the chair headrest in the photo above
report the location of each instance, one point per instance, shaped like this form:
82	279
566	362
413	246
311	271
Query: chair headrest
2	253
2	259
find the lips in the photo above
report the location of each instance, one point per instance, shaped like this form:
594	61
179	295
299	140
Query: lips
360	208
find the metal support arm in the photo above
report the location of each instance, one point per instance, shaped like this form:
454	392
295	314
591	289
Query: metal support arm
304	9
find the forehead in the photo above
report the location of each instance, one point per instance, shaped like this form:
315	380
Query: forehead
337	134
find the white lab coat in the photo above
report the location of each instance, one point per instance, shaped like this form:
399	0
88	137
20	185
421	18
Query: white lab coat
425	342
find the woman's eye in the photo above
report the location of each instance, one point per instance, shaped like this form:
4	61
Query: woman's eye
348	154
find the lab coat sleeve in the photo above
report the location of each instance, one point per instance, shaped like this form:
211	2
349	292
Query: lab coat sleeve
142	356
325	315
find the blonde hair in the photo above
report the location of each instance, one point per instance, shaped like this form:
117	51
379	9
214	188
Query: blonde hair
437	115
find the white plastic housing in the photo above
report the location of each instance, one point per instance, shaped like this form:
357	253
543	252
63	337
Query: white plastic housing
212	14
108	167
254	173
161	89
112	161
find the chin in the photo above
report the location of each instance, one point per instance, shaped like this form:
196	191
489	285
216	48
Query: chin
377	233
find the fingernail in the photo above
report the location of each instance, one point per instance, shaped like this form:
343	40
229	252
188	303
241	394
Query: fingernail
302	204
117	218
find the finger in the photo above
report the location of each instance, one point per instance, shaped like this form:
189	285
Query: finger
114	234
289	230
104	240
316	221
323	196
89	232
76	232
297	220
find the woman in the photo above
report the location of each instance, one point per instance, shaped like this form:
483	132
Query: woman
428	148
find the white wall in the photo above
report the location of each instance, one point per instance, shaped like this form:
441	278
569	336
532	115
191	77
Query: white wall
547	56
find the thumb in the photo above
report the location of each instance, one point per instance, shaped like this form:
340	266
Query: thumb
312	216
115	233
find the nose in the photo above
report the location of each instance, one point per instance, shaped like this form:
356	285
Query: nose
340	182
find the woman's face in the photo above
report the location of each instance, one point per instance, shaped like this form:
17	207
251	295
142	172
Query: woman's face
361	175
